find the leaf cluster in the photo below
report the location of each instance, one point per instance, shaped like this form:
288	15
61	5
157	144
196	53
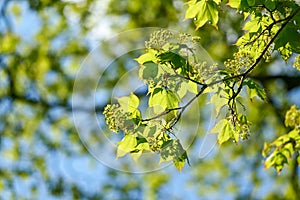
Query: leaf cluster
280	151
171	69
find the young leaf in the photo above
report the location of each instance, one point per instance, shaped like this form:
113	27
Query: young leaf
186	86
136	154
148	70
225	131
180	161
192	87
129	103
219	126
255	90
203	11
281	150
179	164
126	145
289	37
253	25
181	89
219	101
175	59
168	151
164	98
234	3
242	119
173	150
192	10
147	57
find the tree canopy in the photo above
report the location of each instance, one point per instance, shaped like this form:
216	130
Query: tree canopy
224	72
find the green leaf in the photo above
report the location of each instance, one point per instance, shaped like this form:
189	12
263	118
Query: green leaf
281	150
136	155
294	134
251	2
148	70
255	90
217	1
163	98
129	103
192	10
270	161
242	119
181	89
168	152
186	86
173	150
253	26
193	87
126	145
225	131
288	41
241	4
285	51
179	164
138	151
203	11
174	59
143	146
219	126
270	4
234	3
147	57
219	101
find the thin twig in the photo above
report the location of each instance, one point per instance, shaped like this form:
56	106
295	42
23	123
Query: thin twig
161	114
242	75
182	108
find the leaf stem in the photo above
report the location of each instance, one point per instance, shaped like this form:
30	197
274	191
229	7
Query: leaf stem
242	75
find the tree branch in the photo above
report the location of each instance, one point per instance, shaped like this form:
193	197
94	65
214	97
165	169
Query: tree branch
291	82
243	75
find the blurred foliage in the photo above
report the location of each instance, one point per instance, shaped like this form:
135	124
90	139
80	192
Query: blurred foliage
42	44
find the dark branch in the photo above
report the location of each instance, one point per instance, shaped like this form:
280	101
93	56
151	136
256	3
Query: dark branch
291	82
243	75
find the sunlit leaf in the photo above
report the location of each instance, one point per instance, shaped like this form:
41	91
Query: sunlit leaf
203	12
219	101
173	150
225	131
129	103
164	98
126	145
148	70
234	3
255	90
147	57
